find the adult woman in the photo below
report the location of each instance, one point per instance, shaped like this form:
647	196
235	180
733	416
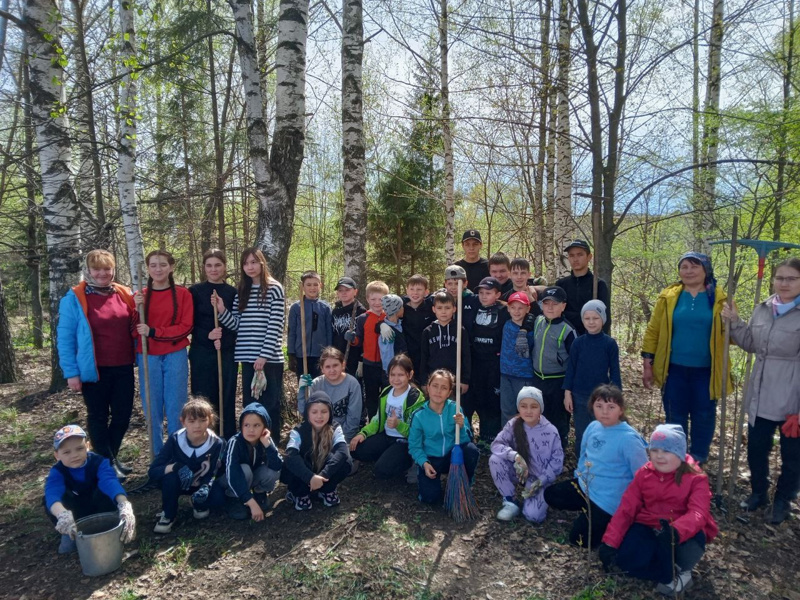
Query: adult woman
202	354
95	352
258	314
168	319
773	391
682	351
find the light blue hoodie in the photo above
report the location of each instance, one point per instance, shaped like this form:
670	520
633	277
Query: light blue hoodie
434	434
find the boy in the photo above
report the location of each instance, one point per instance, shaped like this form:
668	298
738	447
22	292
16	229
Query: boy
552	340
469	301
366	335
579	286
392	340
82	483
500	269
593	360
417	315
440	343
486	338
319	328
516	369
342	320
521	282
475	267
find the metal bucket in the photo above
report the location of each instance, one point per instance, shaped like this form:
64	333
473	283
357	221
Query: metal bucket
99	543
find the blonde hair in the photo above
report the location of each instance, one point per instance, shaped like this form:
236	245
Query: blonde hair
100	259
377	287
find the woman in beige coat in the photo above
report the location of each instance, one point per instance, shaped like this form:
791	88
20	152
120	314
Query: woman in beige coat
773	392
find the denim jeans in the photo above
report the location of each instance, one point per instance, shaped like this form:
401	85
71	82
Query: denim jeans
430	490
509	390
686	395
641	555
169	375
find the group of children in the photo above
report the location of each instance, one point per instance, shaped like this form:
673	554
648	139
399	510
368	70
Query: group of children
535	370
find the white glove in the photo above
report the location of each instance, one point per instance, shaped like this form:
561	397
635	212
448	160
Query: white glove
66	524
258	385
128	521
360	370
521	468
532	489
387	334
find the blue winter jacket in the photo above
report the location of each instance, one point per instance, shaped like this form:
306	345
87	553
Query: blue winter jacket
434	434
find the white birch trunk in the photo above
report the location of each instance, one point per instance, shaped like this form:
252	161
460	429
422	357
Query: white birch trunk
562	223
59	204
353	149
126	172
447	138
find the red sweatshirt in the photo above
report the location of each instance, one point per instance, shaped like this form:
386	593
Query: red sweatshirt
168	336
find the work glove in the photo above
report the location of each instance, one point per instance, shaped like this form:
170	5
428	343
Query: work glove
186	476
258	385
200	497
608	556
520	467
521	345
304	381
387	334
65	525
350	335
128	521
791	428
360	370
668	536
532	489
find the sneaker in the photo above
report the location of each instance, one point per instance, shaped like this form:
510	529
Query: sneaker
262	500
780	511
681	583
118	472
236	510
200	514
753	502
300	503
411	474
329	498
164	525
67	545
122	467
355	466
508	512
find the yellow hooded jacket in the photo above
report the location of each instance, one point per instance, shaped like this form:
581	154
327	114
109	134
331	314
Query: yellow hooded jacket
658	337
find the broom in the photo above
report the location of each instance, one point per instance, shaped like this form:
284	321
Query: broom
458	499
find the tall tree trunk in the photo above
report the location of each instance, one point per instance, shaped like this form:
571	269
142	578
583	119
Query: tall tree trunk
127	145
60	206
551	251
697	174
354	174
8	361
562	224
447	137
187	188
540	223
276	171
788	64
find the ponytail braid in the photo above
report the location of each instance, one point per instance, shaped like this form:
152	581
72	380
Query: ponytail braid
147	299
174	299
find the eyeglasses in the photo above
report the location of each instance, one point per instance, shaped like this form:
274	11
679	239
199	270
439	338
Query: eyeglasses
789	280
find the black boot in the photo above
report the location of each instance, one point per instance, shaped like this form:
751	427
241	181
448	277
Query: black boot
122	467
120	475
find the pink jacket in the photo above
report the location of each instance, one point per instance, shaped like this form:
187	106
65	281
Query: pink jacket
653	496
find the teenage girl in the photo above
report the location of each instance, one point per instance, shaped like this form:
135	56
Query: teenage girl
187	463
384	440
202	352
342	388
258	314
527	450
664	519
611	452
432	437
168	320
317	458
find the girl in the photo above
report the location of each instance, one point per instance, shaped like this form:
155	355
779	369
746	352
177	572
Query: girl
187	463
168	319
611	452
317	458
202	352
528	450
384	440
664	517
432	437
258	314
343	390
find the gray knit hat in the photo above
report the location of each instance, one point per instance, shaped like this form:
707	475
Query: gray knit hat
669	438
530	392
597	306
391	304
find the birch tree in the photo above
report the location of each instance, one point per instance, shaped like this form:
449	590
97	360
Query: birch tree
447	135
562	221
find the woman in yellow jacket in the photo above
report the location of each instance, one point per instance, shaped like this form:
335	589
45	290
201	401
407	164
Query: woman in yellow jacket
683	350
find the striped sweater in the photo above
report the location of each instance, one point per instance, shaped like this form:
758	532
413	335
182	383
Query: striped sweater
260	326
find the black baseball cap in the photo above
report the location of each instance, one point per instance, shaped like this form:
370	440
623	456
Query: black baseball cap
578	244
554	293
347	282
490	283
472	234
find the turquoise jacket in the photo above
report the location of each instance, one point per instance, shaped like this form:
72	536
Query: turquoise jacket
434	434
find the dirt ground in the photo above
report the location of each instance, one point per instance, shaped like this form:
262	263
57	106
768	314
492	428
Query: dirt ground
379	543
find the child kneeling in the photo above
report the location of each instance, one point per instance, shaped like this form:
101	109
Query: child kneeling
187	463
81	484
317	457
665	515
252	467
528	451
432	437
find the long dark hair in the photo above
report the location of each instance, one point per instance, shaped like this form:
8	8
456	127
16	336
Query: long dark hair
171	261
521	440
246	284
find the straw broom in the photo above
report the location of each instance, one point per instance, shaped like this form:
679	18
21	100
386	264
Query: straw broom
458	499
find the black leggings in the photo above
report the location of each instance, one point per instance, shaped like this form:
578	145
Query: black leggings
390	454
568	495
110	396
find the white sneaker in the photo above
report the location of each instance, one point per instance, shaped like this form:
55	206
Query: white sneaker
680	584
508	512
201	514
164	525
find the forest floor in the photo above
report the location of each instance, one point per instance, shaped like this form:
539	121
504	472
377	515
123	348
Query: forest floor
379	543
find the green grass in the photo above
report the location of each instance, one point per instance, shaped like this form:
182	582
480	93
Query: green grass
21	440
127	594
8	415
604	589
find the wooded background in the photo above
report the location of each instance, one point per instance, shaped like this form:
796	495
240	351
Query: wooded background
361	139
